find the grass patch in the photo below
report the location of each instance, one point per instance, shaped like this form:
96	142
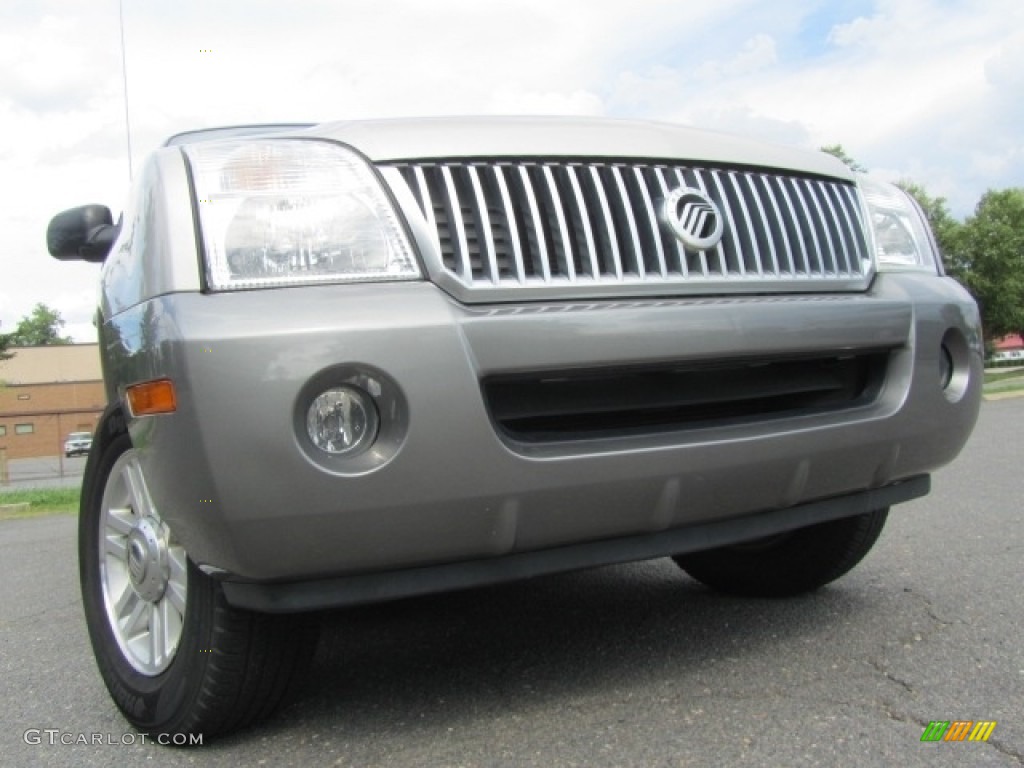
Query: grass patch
994	376
1004	383
41	501
1005	388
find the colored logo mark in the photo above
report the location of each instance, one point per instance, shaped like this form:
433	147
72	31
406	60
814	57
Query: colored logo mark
958	730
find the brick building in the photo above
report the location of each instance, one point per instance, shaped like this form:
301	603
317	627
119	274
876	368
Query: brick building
46	393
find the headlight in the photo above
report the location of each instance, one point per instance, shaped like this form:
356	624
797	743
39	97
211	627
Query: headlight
277	212
902	238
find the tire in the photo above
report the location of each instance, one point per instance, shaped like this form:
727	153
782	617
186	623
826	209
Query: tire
176	657
790	563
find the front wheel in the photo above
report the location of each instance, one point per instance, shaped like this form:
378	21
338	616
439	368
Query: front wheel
175	656
789	563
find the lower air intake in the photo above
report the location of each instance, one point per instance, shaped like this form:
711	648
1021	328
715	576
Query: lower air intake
578	405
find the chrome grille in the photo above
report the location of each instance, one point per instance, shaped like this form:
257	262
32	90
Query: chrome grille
584	224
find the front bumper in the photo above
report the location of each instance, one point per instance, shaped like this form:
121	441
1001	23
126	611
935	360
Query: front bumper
230	474
357	589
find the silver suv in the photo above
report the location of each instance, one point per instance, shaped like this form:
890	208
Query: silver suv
78	444
361	361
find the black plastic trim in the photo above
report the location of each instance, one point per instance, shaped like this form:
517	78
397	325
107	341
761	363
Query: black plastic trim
560	406
359	589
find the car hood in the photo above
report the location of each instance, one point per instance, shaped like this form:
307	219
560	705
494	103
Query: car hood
565	137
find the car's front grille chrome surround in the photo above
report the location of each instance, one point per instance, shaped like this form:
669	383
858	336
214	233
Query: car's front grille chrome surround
599	228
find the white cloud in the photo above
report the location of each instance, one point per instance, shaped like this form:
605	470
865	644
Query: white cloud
1006	68
506	101
48	65
757	54
860	31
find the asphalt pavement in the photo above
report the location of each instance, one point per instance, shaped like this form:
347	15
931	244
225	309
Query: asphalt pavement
624	666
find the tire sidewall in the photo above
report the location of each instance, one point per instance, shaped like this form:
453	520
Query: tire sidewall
788	564
149	703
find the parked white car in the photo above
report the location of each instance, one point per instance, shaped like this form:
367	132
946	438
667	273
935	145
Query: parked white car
78	444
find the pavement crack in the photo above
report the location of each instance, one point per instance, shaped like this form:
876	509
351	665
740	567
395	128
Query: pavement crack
929	608
1005	749
900	716
880	668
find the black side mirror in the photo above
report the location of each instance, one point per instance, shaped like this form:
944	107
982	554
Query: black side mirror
85	233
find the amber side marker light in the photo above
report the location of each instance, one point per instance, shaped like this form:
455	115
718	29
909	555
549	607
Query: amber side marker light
152	397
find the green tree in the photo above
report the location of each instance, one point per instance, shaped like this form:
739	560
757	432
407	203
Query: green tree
5	342
41	328
992	248
836	150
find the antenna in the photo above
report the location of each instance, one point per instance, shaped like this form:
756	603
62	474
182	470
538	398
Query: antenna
124	82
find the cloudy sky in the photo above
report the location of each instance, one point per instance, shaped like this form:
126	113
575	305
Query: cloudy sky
931	90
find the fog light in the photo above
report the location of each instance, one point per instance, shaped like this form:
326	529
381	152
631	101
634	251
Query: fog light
945	367
342	421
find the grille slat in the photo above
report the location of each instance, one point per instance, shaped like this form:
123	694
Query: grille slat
842	257
590	266
768	239
791	222
842	224
566	264
484	228
609	222
539	252
830	251
786	264
636	252
807	223
652	221
513	225
455	214
577	224
427	204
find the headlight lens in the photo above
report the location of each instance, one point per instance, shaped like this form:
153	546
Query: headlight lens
277	212
902	238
